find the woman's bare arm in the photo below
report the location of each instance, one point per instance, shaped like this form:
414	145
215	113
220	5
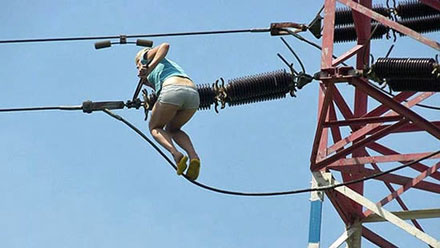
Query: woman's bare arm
156	54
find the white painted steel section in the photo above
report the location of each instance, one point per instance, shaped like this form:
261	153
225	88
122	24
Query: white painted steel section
343	238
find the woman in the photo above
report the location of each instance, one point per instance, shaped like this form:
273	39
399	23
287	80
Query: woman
177	102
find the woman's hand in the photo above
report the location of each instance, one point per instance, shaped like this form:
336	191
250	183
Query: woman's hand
143	71
147	83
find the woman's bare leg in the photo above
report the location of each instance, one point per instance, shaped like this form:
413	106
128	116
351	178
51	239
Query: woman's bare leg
184	141
161	115
179	136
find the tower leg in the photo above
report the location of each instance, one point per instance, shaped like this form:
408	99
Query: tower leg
316	199
354	241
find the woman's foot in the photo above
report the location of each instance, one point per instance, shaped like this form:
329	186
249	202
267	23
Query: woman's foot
193	170
180	162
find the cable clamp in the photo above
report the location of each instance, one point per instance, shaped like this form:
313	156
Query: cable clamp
279	28
122	39
89	106
149	101
136	103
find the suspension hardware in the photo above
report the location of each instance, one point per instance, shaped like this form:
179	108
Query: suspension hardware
347	33
239	91
414	9
422	24
417	68
344	15
412	14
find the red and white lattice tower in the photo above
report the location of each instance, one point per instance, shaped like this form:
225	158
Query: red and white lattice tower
359	153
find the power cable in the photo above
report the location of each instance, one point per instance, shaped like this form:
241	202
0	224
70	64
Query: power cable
427	106
117	117
227	192
253	30
42	108
89	107
86	107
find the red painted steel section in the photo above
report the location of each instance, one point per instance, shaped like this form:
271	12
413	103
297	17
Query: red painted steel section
328	34
350	53
343	205
405	187
320	142
410	127
362	121
336	131
411	115
369	129
359	144
391	189
387	151
322	150
363	30
398	199
376	239
384	108
404	158
342	105
400	98
392	178
321	137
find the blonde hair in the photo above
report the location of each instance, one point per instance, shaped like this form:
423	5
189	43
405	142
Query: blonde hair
140	54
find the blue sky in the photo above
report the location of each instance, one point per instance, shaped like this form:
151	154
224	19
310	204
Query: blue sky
68	179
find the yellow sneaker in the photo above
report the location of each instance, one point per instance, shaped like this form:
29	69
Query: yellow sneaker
193	170
181	166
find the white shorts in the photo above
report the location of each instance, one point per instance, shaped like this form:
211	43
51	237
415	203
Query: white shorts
186	97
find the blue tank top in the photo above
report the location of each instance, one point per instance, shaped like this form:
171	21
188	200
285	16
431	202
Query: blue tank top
165	68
